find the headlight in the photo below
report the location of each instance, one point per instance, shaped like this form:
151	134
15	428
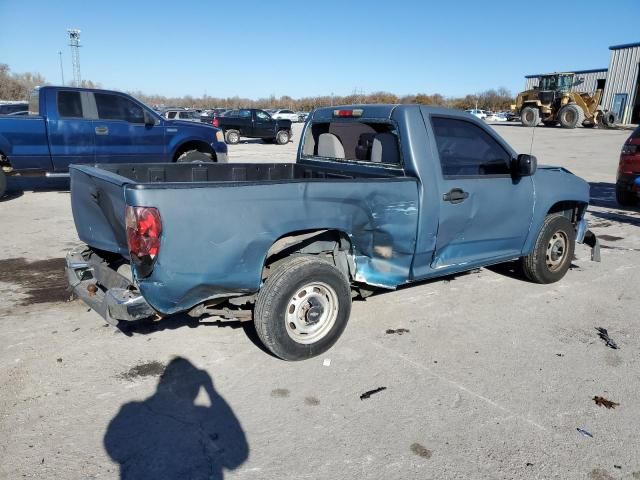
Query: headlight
219	136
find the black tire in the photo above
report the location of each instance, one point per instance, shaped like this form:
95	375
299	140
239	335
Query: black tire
530	117
282	137
609	119
276	306
194	156
624	197
232	137
553	251
570	116
3	183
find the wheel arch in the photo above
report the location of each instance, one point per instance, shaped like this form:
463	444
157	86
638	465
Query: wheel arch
199	145
574	210
334	244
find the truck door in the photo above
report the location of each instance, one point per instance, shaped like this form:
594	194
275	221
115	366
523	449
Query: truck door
121	135
484	212
264	125
70	131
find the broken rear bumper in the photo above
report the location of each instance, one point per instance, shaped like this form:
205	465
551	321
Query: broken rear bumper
586	236
103	289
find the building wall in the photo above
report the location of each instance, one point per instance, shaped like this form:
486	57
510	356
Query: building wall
623	78
589	84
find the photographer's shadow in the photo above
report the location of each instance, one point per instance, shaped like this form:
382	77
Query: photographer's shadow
168	437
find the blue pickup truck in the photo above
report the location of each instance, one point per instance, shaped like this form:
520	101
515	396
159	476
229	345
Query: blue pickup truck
77	125
380	196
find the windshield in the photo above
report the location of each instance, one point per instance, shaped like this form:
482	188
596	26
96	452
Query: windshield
556	82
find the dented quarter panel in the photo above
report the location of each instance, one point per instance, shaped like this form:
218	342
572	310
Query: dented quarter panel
225	249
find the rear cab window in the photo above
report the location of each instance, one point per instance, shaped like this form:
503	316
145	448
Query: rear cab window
351	140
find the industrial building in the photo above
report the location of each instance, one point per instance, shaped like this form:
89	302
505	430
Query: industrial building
620	82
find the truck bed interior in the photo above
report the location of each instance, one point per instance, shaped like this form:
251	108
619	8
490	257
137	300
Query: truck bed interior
150	173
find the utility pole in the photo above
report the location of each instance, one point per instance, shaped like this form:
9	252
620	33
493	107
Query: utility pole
61	69
74	43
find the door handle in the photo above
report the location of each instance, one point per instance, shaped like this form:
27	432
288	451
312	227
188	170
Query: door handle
102	131
455	195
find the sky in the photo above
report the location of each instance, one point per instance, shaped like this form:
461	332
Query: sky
255	49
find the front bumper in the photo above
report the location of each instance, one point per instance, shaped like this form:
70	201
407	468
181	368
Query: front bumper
586	236
113	296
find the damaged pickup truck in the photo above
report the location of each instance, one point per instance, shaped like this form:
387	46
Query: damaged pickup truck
380	196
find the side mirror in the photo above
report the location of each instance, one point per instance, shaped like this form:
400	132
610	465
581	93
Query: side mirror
524	165
149	120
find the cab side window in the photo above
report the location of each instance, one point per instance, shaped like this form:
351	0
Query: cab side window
466	149
262	115
69	104
115	107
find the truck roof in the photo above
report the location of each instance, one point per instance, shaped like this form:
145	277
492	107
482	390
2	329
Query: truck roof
382	111
79	89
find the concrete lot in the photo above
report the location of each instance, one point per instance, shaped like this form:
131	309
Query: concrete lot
492	380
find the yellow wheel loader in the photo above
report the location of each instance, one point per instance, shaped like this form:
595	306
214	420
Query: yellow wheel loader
553	103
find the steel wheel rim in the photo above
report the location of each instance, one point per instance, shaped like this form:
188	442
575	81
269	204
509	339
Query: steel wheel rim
311	313
528	116
570	116
557	251
282	137
233	137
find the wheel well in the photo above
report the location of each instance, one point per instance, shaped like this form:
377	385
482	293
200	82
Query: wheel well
335	245
571	209
198	145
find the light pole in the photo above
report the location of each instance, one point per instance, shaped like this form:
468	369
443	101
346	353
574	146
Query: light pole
61	69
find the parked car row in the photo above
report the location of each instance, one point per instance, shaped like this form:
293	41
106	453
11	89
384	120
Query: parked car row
490	116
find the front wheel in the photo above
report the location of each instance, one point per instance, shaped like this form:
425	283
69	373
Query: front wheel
530	117
624	197
553	251
282	138
302	308
194	156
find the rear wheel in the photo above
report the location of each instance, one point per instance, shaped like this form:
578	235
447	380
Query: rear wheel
551	256
624	197
232	137
302	308
609	119
3	183
530	117
282	138
570	116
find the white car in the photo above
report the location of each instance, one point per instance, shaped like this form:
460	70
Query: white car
477	113
285	115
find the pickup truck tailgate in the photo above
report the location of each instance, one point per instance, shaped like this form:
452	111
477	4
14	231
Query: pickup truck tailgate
98	205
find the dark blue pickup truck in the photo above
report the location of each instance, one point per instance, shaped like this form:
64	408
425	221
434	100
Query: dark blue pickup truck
380	196
76	125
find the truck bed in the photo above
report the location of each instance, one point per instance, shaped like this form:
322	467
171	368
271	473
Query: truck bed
240	172
219	220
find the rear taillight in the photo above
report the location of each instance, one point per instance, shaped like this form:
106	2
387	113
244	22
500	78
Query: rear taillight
216	122
144	229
